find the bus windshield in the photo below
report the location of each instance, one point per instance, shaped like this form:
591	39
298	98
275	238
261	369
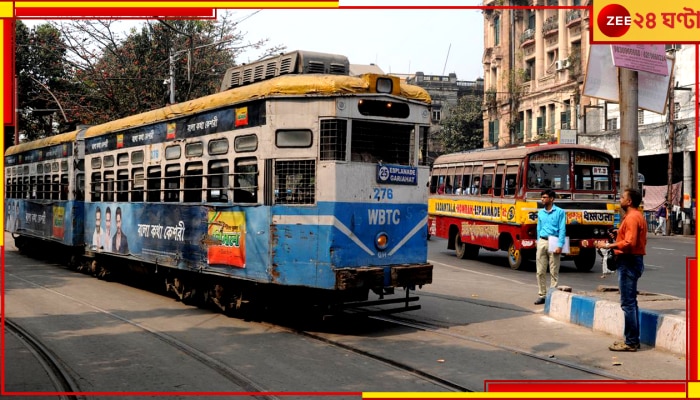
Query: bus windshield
550	170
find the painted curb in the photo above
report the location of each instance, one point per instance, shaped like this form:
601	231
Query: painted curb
663	331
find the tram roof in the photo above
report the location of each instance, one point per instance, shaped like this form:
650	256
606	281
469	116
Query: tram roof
41	143
520	152
286	85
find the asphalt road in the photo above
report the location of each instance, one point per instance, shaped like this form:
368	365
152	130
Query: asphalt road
665	266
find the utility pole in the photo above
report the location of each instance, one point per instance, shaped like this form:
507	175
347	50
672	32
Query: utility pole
629	132
671	143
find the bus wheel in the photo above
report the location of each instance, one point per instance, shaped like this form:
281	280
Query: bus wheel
515	257
585	260
465	250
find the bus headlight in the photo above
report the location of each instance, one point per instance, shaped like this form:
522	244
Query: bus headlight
381	241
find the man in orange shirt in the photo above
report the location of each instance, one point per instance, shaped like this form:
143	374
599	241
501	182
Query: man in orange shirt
630	248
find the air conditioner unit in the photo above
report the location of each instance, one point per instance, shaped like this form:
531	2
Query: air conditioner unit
562	64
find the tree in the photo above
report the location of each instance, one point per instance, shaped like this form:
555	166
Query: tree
41	74
115	74
463	128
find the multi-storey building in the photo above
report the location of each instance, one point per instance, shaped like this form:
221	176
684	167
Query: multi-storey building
533	70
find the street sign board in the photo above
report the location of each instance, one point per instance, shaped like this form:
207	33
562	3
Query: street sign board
601	81
641	57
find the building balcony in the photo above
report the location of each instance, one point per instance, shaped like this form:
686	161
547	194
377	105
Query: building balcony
551	25
527	37
573	17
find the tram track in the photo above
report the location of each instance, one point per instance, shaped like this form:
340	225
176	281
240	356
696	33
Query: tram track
58	373
65	382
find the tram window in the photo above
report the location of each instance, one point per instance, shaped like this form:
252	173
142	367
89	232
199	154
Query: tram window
137	157
193	182
122	184
295	182
245	180
80	187
40	187
195	149
64	186
64	165
217	181
47	186
108	161
39	169
95	188
25	170
218	146
153	184
374	141
246	143
293	138
55	187
334	139
32	187
172	182
108	186
96	162
47	168
80	165
123	159
173	152
137	184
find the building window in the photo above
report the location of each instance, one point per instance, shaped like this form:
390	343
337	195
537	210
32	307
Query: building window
436	115
640	117
496	31
611	124
531	19
676	111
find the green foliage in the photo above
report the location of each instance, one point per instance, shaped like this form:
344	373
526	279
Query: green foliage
99	73
41	71
463	128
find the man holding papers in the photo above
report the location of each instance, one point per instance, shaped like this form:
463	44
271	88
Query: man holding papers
551	221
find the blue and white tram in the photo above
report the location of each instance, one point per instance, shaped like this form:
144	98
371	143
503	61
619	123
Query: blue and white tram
306	185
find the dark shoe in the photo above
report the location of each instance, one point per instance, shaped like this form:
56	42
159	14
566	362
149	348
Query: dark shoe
638	346
540	300
621	346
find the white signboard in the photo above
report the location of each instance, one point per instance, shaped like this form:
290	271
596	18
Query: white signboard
602	82
567	136
641	57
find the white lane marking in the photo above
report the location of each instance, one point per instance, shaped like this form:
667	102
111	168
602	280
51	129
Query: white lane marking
475	272
662	248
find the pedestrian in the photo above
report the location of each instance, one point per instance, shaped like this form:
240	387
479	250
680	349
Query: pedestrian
660	215
630	248
551	221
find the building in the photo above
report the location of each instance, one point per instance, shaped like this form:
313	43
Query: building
534	71
445	91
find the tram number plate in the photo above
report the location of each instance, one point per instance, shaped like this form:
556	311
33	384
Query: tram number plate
574	250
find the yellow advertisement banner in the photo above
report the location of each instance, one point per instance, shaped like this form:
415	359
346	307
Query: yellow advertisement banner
634	21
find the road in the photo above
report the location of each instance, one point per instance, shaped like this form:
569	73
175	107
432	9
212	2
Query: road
665	267
477	323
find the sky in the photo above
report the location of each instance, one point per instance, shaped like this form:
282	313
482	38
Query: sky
399	41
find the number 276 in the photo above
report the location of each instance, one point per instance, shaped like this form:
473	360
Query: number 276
383	193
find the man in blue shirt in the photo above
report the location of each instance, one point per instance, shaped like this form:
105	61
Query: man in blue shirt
551	221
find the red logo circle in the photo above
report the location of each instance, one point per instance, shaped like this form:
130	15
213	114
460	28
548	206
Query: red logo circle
614	20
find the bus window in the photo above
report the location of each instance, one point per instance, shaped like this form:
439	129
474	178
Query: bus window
193	182
153	184
498	182
245	180
548	170
136	184
217	181
333	139
487	181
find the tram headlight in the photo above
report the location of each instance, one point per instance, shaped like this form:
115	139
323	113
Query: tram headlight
384	85
381	241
